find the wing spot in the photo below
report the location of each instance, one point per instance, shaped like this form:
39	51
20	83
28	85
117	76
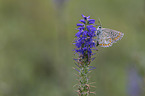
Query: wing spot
110	40
117	37
109	43
106	45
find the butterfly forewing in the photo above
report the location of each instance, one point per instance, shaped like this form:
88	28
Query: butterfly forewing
115	35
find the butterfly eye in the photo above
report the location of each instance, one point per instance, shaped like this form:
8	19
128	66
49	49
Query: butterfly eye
99	26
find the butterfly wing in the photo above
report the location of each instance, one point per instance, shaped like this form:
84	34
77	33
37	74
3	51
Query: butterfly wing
104	40
115	35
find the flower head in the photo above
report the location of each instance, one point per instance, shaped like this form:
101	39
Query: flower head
85	41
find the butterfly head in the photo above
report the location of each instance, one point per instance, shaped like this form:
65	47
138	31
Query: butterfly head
99	29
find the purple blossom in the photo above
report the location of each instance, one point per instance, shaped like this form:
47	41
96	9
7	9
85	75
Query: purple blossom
83	21
85	41
91	21
80	24
85	18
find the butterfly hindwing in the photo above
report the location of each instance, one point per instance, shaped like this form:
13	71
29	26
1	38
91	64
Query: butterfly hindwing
115	35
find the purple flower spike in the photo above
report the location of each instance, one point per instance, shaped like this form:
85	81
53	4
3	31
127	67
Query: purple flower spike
85	41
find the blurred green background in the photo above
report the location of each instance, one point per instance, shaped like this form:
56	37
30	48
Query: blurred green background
36	56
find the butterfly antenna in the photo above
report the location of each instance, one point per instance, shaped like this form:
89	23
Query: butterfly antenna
99	21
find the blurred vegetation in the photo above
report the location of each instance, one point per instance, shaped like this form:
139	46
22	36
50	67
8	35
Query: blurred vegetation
36	56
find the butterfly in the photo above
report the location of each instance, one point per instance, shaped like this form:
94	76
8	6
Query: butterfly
106	37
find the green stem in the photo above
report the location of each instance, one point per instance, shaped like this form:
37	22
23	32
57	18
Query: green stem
83	81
